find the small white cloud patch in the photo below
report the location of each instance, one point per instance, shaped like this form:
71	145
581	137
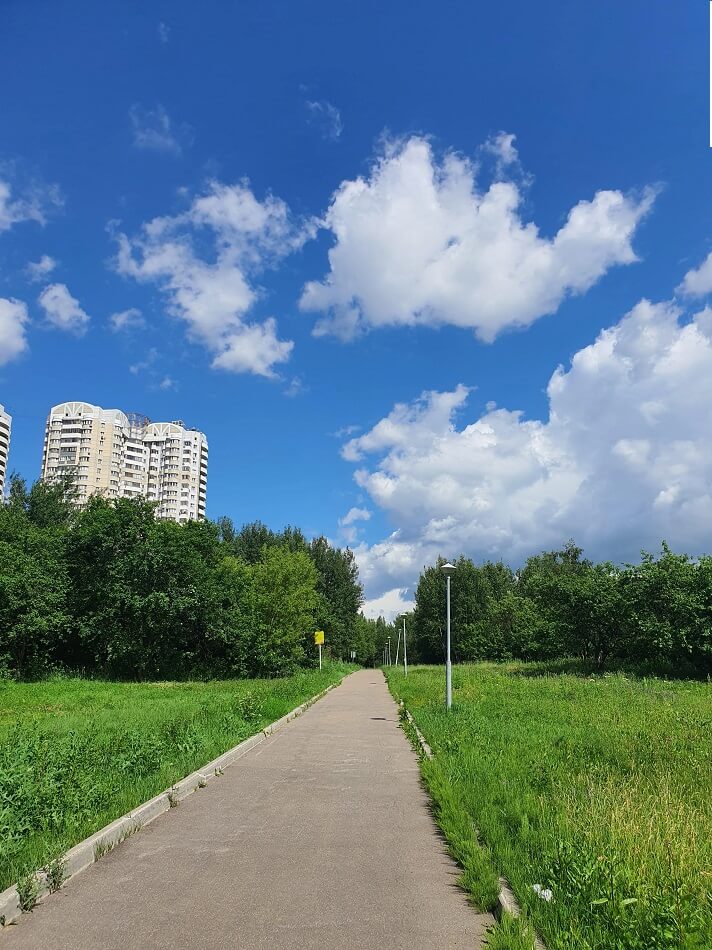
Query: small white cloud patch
13	329
39	270
62	310
205	261
131	319
698	281
327	118
153	129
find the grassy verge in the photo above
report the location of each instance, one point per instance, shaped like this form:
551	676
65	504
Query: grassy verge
76	754
598	789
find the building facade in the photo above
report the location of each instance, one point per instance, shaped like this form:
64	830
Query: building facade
125	455
5	427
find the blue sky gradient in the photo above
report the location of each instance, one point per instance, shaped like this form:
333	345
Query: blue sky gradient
114	114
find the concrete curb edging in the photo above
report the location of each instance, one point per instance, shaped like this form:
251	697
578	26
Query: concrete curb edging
87	852
506	901
507	904
427	751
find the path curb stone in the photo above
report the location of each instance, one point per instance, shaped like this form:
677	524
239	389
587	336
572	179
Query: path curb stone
84	854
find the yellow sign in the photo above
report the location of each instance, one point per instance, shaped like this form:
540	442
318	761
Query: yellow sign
318	637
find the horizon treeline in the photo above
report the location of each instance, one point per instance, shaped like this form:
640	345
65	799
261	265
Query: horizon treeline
655	615
109	590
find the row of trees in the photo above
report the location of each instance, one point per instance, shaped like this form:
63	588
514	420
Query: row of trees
110	590
560	604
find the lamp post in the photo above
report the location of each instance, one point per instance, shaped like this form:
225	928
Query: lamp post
447	570
405	651
388	652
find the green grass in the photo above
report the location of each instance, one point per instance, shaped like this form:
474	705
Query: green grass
599	788
510	933
76	754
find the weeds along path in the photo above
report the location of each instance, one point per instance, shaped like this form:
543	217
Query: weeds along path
592	795
320	837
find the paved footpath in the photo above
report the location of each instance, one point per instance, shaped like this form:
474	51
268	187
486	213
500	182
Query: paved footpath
320	837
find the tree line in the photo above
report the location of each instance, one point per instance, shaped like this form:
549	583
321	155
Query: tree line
561	604
110	590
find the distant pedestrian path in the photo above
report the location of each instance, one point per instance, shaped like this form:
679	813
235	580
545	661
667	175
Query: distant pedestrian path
320	837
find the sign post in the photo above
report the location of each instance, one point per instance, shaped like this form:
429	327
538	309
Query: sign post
318	640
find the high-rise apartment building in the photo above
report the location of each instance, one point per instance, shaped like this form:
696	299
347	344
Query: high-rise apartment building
5	426
125	455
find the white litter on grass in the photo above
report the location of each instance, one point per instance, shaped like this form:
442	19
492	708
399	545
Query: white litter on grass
544	892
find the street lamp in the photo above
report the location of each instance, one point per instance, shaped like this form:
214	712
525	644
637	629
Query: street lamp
447	570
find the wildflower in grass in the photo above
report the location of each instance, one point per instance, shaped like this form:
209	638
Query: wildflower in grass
545	893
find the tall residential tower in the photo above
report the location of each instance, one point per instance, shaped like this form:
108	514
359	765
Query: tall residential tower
125	455
5	426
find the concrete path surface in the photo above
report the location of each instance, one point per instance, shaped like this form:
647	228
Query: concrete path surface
320	837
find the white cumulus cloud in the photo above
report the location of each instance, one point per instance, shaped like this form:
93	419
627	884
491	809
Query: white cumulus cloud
623	460
419	241
698	281
389	605
13	324
355	514
205	262
62	310
349	523
39	270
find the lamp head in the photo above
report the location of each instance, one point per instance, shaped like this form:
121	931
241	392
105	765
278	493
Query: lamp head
447	569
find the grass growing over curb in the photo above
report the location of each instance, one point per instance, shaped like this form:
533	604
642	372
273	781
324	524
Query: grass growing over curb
76	754
510	933
597	788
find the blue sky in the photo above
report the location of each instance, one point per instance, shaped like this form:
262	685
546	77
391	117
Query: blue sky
496	185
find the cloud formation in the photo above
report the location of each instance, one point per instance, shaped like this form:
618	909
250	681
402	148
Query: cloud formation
62	311
419	242
623	460
34	204
388	605
698	281
39	270
131	319
13	324
349	523
153	129
327	118
205	262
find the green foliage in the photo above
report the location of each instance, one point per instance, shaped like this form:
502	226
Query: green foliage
475	859
560	604
76	754
510	933
28	892
111	590
56	873
285	603
593	788
33	578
